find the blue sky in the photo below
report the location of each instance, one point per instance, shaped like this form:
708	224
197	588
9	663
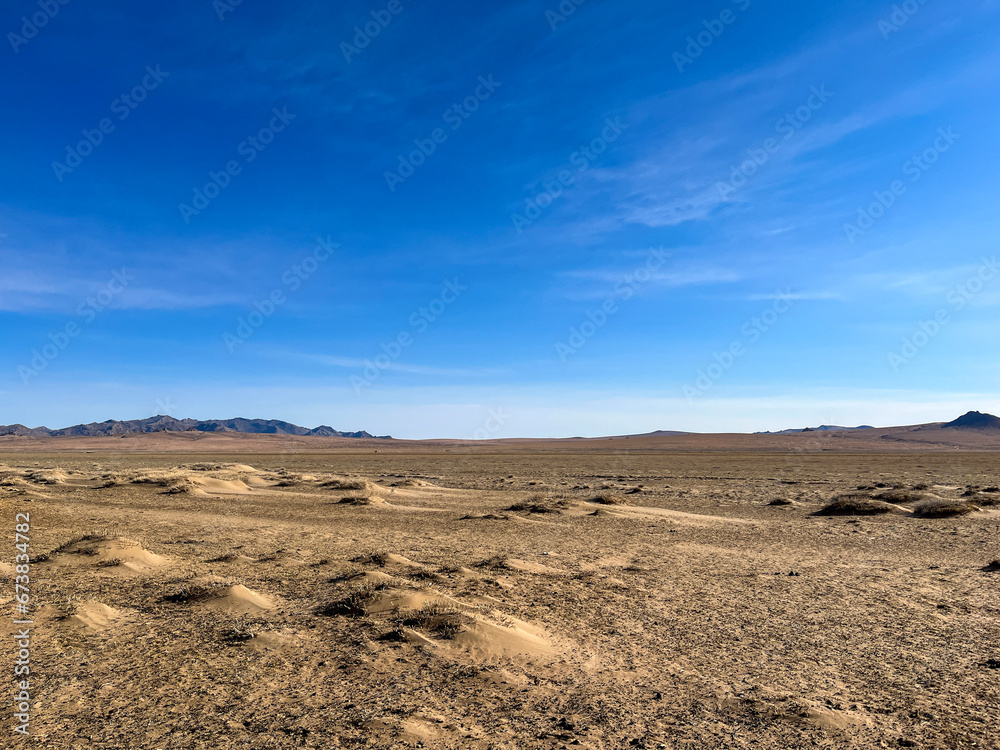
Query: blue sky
501	220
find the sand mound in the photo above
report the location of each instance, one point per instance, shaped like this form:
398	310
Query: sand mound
210	592
49	476
192	480
818	715
221	486
858	505
238	599
93	615
490	639
110	555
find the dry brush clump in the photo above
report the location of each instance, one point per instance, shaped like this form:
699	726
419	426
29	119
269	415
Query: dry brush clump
194	592
356	602
373	556
609	498
901	496
366	496
856	504
344	483
540	503
442	619
497	562
943	509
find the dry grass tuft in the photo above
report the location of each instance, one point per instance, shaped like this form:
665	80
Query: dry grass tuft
355	604
901	496
943	509
366	496
497	562
609	498
192	593
343	483
442	619
377	557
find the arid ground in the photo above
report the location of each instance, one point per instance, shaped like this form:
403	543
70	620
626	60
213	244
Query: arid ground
535	595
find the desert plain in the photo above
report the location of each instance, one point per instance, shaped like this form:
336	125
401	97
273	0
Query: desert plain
663	592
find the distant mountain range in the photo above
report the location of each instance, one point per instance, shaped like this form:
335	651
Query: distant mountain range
972	420
163	423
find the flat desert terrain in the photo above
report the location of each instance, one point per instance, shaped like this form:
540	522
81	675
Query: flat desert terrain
511	596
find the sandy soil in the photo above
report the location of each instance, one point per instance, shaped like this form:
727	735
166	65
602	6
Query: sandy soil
546	596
